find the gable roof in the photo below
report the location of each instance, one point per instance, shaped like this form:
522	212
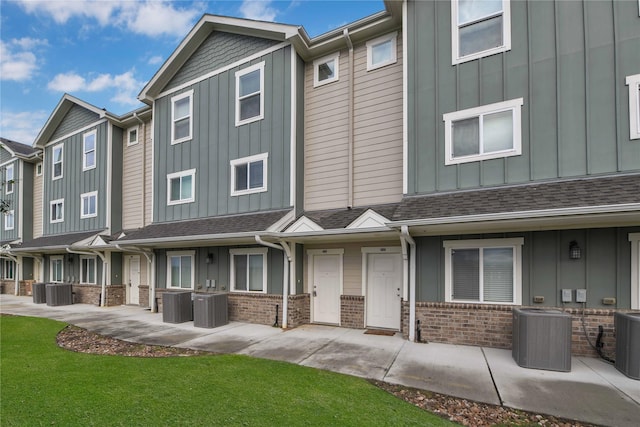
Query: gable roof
19	150
55	242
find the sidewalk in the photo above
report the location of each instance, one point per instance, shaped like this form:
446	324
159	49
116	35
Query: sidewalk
594	391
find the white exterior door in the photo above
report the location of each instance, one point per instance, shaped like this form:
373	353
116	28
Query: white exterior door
384	285
133	283
326	284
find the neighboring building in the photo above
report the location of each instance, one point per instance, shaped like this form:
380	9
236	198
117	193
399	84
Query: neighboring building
18	165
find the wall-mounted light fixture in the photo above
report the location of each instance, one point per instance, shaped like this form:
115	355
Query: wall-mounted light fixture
70	259
210	259
574	250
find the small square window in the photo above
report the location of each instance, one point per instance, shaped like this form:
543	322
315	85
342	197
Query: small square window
39	169
249	270
9	220
89	150
9	179
181	187
250	94
181	117
381	51
325	70
132	136
480	28
57	161
249	175
634	106
89	205
483	133
180	270
57	211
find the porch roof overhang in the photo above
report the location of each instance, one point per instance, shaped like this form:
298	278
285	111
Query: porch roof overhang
57	243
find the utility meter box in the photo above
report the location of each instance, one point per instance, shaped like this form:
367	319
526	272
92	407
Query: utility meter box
177	307
628	344
542	339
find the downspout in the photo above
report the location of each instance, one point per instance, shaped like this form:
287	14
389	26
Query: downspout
103	291
144	166
151	257
283	246
409	265
350	131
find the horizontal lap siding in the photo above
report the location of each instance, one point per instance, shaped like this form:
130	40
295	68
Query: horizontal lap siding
136	191
37	206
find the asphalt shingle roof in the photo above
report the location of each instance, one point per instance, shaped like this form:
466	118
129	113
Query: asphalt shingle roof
18	148
57	240
341	218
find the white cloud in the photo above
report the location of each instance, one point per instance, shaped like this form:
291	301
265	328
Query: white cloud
63	10
155	60
22	127
158	18
258	9
17	60
67	82
125	85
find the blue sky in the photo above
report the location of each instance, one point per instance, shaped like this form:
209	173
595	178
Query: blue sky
104	51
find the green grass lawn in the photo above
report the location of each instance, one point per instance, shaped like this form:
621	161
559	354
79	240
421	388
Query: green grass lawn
42	384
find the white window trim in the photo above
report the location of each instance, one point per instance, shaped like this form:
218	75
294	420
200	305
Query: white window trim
84	196
246	160
515	105
53	161
39	169
84	150
335	57
248	251
634	238
5	263
13	178
188	94
193	267
137	129
95	273
51	260
55	202
455	37
394	46
10	214
239	74
634	106
190	172
515	243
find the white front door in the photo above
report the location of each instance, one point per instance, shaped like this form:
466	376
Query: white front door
327	276
133	282
384	284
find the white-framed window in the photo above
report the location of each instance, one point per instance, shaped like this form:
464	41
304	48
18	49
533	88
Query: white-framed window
250	94
181	117
56	269
634	106
88	270
56	211
483	271
57	159
89	205
325	70
89	150
180	270
479	28
8	269
39	169
181	187
481	133
381	51
9	220
249	175
132	135
9	179
634	239
249	270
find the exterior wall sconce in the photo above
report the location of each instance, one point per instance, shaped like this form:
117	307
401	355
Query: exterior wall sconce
70	259
574	250
210	259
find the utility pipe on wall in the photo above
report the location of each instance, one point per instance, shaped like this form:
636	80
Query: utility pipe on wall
283	246
409	263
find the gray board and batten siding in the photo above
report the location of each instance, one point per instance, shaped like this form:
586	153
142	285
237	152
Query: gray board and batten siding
568	60
13	198
216	141
76	118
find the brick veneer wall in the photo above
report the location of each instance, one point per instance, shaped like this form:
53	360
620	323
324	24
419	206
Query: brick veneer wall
143	295
90	294
491	326
9	287
299	310
352	311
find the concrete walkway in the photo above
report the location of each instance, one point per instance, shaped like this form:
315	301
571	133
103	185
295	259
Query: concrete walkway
593	392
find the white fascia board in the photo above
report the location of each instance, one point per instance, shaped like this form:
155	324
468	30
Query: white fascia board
303	225
197	239
369	219
282	222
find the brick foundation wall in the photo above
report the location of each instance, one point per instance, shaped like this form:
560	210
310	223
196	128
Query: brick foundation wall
90	294
491	326
143	295
9	287
352	311
299	310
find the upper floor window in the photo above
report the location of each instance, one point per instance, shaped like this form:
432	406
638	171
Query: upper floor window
9	220
249	94
634	106
479	28
180	270
56	268
325	70
132	136
89	205
89	150
181	117
181	187
88	270
56	161
482	133
8	269
249	175
39	169
381	51
9	179
249	270
57	211
485	271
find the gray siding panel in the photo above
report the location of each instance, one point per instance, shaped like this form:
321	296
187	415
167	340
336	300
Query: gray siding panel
76	118
12	199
